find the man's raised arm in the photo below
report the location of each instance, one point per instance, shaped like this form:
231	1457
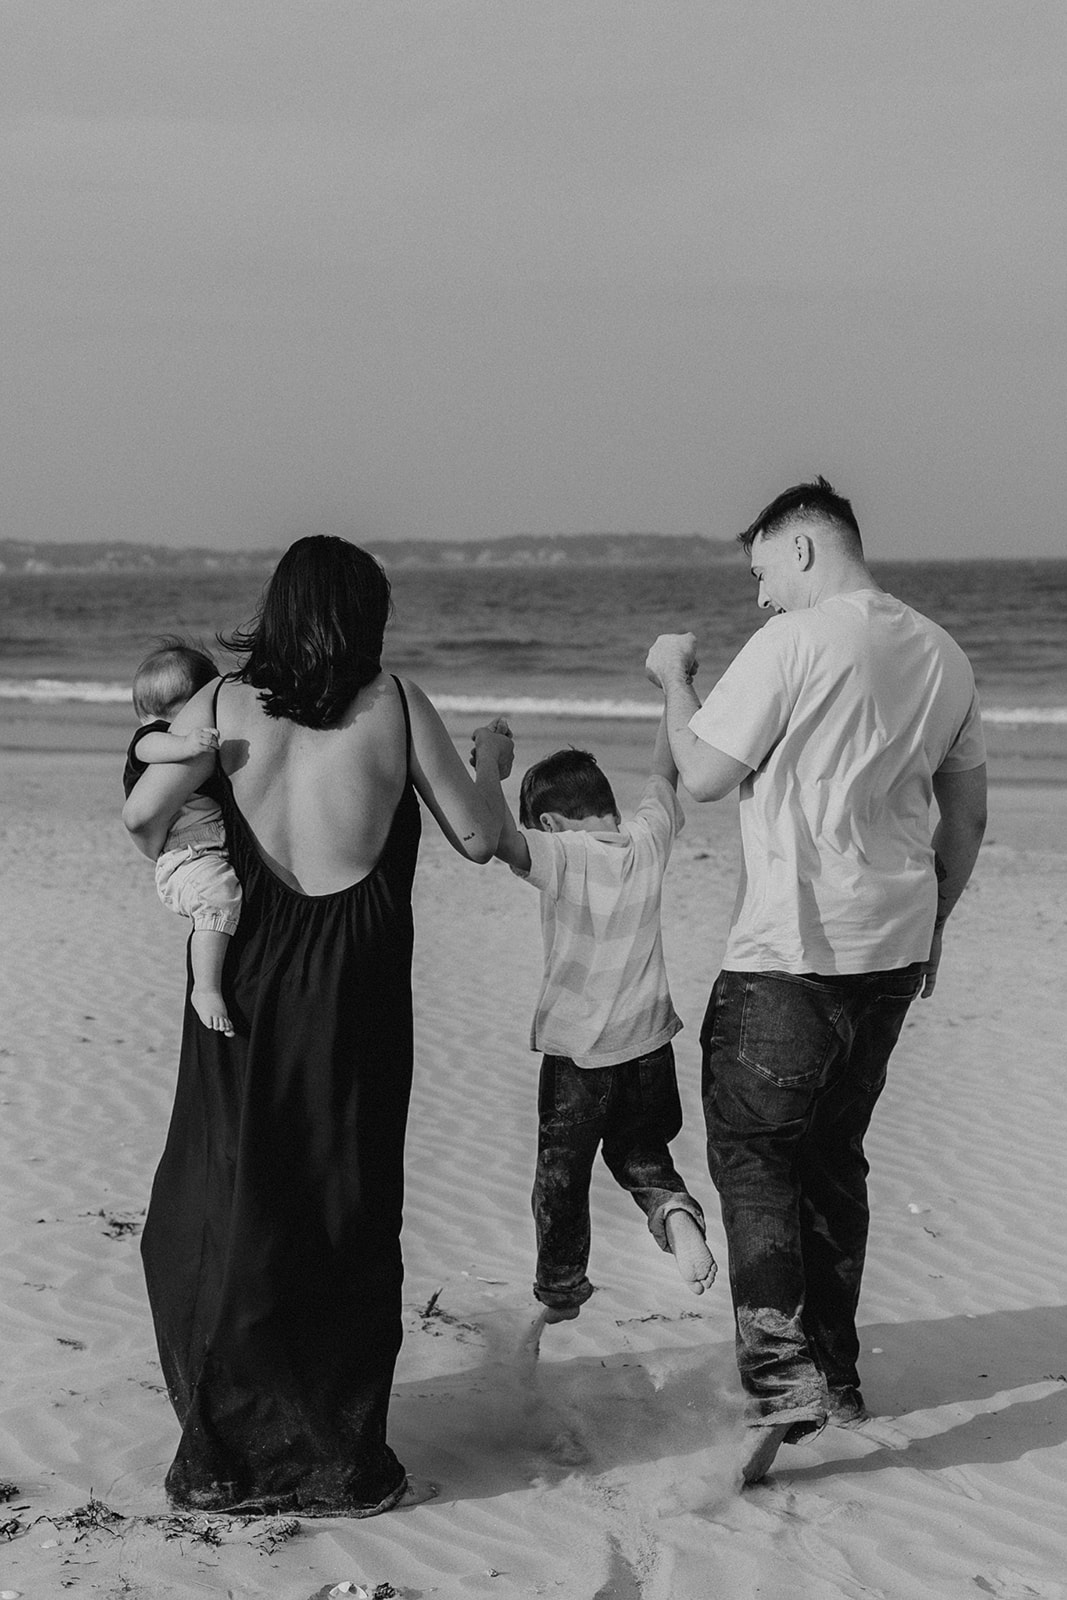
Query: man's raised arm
707	773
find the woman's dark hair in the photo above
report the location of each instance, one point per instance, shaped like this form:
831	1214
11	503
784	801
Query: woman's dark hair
569	782
318	637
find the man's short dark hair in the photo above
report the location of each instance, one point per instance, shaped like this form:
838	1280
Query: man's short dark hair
569	782
805	502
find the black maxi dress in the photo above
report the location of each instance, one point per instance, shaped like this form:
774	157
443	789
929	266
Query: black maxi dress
272	1243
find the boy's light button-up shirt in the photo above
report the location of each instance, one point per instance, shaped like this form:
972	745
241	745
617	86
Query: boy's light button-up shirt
604	996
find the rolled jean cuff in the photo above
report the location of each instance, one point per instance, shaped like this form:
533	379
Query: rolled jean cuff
215	922
564	1299
657	1219
768	1414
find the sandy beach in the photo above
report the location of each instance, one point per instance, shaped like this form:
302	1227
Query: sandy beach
605	1471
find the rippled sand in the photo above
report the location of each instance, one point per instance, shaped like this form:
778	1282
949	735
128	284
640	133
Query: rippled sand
605	1469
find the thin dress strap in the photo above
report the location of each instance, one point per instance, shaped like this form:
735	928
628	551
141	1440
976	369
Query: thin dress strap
407	714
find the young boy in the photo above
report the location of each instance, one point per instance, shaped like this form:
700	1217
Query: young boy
193	874
604	1018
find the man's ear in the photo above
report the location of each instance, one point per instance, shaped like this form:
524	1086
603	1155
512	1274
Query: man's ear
804	550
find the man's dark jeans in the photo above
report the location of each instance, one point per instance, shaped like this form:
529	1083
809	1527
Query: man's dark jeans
634	1108
793	1066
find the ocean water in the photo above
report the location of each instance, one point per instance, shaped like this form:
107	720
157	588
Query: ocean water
563	639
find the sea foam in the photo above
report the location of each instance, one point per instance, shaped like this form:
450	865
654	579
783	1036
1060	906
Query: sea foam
56	690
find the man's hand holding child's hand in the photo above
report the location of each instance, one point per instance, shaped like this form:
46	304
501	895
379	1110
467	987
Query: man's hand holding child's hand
493	742
671	656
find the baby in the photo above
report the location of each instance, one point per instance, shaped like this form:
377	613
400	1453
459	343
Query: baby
604	1018
193	873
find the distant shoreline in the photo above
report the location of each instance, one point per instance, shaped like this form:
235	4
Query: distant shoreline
41	559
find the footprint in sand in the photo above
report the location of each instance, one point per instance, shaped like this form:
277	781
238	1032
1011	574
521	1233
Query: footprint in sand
1007	1585
880	1431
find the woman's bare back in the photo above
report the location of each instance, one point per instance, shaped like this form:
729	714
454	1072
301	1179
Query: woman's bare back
319	801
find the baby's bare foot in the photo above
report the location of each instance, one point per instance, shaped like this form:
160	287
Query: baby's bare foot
210	1007
694	1260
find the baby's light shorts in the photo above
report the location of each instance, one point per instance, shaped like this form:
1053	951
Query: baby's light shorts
195	879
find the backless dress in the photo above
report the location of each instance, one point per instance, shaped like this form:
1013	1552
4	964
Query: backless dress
272	1242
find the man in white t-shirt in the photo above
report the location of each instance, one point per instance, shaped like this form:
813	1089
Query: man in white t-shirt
842	721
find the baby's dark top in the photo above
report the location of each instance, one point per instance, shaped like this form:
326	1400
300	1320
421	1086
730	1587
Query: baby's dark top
134	768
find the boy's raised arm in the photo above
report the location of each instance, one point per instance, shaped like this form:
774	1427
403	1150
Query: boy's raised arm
512	847
663	764
486	759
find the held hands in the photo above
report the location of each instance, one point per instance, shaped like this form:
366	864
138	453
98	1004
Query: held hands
673	657
494	743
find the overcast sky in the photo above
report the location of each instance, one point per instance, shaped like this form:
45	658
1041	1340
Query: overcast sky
479	267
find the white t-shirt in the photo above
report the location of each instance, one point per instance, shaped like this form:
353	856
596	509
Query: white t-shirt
604	996
844	711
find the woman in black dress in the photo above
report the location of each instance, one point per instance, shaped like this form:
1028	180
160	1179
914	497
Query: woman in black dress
272	1243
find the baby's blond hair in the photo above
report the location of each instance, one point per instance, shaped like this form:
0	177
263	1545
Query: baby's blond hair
169	677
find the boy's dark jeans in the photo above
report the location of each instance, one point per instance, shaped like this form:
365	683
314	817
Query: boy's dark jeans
793	1066
634	1109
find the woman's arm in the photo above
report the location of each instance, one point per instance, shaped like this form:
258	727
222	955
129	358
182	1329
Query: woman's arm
159	794
468	811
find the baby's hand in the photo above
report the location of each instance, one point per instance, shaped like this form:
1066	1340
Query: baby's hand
201	739
494	742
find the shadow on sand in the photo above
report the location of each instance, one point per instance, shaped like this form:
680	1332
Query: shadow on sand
504	1423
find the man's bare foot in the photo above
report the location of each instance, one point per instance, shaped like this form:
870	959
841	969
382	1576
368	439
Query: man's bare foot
210	1007
694	1260
416	1492
759	1449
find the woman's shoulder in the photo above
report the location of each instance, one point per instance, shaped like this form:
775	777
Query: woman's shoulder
376	710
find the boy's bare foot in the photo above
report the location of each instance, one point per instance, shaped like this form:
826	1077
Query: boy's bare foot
530	1343
210	1007
694	1260
761	1444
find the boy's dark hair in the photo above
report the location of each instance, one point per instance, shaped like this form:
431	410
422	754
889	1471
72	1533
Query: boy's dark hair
318	637
569	782
170	676
805	502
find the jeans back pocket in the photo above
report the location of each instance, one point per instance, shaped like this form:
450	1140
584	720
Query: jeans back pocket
788	1029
